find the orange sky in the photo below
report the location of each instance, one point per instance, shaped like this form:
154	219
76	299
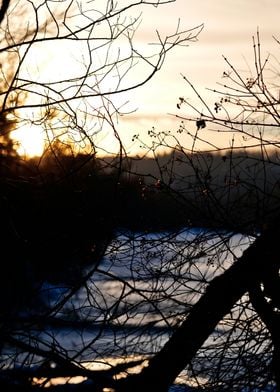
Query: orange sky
228	29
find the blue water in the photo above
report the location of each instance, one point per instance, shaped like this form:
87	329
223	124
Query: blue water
145	284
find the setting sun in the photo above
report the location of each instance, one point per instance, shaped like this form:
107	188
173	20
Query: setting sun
29	140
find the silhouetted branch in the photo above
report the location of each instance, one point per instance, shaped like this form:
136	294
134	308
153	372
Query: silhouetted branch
3	10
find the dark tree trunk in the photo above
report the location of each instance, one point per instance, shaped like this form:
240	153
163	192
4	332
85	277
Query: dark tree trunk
219	298
3	9
271	318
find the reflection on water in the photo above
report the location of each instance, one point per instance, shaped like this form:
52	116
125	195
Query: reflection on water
131	302
144	286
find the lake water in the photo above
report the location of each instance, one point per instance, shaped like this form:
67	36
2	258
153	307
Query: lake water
145	284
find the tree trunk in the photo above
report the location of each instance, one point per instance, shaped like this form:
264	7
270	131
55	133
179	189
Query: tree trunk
219	298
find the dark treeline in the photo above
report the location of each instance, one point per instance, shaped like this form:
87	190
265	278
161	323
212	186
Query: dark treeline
59	192
59	209
236	190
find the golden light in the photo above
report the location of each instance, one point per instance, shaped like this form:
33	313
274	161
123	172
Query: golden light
29	140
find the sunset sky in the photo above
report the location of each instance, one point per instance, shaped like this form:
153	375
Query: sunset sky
228	29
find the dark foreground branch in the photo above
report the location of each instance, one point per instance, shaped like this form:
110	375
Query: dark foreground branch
3	9
271	318
219	298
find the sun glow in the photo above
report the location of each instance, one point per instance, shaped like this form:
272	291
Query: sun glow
29	140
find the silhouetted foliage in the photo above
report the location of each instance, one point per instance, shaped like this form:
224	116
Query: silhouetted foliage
134	273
